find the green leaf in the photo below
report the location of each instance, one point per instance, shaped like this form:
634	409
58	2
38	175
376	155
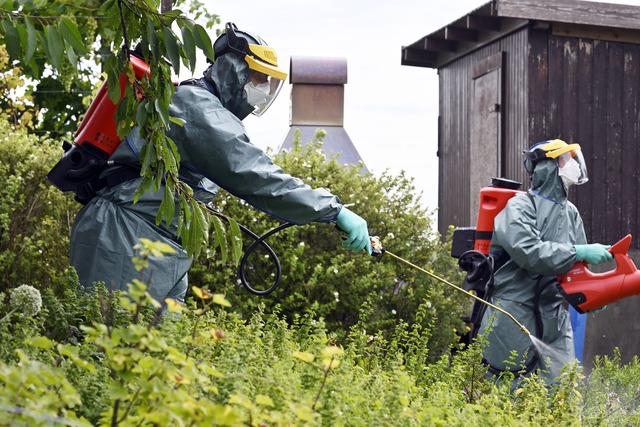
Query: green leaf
40	342
174	13
174	148
70	34
73	58
305	356
173	50
194	230
203	41
117	391
189	47
167	206
171	166
147	155
22	36
235	237
32	39
12	39
152	39
106	6
141	114
113	81
332	351
264	400
55	46
178	121
221	300
219	237
163	110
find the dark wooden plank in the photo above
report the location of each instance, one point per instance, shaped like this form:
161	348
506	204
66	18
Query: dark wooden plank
555	111
573	11
615	79
484	23
440	45
460	34
538	75
631	112
570	73
570	104
598	165
585	72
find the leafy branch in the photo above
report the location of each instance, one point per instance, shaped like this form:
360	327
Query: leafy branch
38	36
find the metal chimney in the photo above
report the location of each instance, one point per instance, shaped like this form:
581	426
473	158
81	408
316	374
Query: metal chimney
317	101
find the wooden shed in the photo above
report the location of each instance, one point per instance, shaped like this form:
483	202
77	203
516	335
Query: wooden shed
515	72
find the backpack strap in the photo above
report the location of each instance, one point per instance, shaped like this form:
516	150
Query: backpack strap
89	190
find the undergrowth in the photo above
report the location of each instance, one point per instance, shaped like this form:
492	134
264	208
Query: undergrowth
110	359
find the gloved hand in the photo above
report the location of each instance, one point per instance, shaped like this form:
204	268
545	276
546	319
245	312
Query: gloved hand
356	228
593	254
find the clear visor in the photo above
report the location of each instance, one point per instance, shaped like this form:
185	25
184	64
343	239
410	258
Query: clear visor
573	167
261	90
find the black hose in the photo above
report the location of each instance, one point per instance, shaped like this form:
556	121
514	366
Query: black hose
261	241
258	241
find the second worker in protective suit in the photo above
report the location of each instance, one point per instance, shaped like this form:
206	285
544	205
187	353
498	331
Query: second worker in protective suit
538	236
215	152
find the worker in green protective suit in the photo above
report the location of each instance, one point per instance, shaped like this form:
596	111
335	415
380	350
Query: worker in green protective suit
215	152
538	236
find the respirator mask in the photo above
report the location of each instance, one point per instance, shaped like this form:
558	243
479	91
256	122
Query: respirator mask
572	169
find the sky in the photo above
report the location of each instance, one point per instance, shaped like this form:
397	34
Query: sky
391	110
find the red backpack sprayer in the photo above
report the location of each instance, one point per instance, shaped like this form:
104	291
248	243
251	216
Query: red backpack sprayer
95	140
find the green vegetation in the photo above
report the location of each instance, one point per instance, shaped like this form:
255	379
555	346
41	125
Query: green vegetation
106	359
344	340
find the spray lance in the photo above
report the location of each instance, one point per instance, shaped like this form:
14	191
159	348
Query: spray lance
378	250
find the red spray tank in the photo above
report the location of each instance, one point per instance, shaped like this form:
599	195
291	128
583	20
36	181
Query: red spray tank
95	140
587	291
98	127
492	200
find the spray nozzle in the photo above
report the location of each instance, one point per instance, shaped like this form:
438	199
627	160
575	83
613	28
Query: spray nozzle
376	248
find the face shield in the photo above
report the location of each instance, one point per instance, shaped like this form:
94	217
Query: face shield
260	91
264	84
572	168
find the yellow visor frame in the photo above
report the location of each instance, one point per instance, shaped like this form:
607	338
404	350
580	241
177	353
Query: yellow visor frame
267	62
557	147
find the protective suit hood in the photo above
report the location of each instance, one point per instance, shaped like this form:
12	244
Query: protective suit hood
546	182
229	73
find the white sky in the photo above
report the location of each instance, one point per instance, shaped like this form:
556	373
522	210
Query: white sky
391	110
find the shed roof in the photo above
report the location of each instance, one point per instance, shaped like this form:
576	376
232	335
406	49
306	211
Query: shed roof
498	18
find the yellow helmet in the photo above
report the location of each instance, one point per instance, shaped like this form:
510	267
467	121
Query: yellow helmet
555	147
560	151
261	58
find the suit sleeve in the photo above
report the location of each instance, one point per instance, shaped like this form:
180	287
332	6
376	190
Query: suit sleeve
214	142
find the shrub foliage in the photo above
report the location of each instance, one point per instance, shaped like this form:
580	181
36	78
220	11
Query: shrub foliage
345	340
317	272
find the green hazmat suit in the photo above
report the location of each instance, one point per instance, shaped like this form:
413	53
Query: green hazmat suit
215	152
538	242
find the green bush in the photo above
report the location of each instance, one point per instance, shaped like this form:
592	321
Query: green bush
35	217
345	340
203	365
317	272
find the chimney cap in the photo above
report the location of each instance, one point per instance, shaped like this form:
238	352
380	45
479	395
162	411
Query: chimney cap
318	70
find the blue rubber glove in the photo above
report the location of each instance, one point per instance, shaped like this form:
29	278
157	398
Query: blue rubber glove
593	254
356	228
